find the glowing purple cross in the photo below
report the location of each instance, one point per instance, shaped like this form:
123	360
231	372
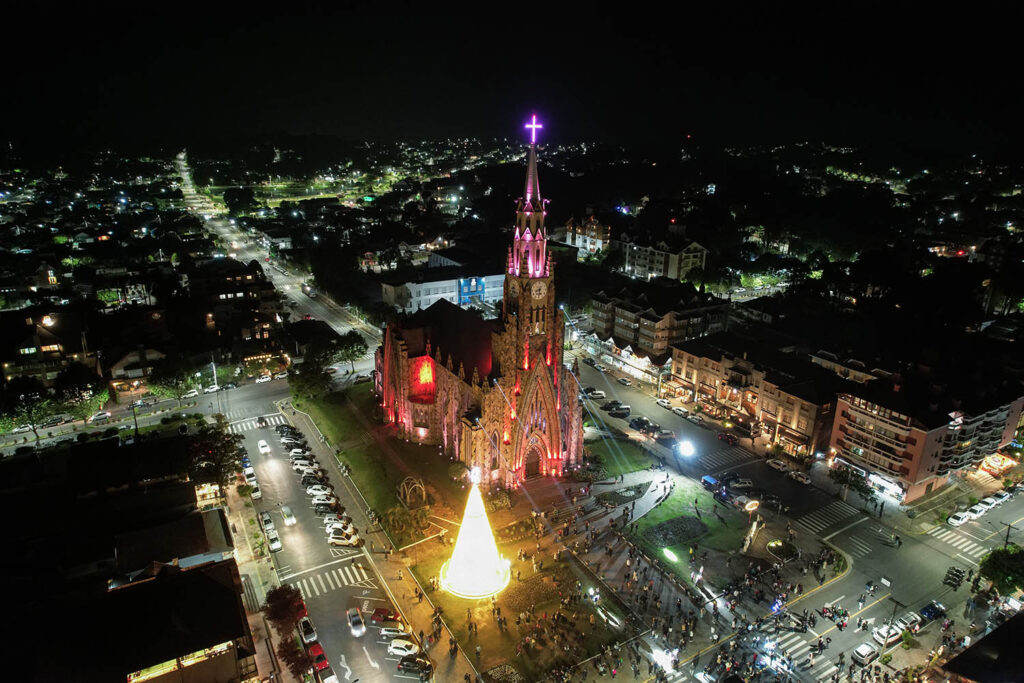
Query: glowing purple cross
533	126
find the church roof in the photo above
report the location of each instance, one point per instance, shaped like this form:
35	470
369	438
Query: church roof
455	331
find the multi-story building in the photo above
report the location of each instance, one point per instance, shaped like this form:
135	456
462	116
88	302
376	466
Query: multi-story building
39	342
234	293
910	434
590	237
786	399
636	332
659	260
420	288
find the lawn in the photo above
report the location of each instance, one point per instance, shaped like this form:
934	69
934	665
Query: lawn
619	456
540	589
723	532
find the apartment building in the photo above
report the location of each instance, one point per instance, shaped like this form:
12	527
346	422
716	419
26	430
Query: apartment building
783	398
645	262
590	237
910	434
418	289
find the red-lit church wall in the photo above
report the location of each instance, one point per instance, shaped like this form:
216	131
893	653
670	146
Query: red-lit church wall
422	380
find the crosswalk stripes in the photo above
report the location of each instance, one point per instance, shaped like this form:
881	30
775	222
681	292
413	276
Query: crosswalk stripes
251	423
833	513
799	646
962	544
333	579
725	457
861	546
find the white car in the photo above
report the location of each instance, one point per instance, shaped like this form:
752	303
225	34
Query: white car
324	500
264	447
958	518
289	516
273	540
1001	497
191	393
402	647
989	502
255	492
305	464
596	395
263	378
624	381
318	490
777	464
976	511
695	419
212	389
886	634
741	484
680	411
22	429
399	630
298	452
355	622
267	521
307	630
909	622
102	415
339	537
303	470
281	375
338	524
664	403
800	477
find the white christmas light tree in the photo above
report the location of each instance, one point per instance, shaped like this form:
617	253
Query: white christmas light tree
475	569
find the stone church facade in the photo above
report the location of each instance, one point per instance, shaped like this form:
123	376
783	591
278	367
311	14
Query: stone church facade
493	393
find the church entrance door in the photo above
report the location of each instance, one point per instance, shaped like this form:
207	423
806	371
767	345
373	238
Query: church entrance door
531	466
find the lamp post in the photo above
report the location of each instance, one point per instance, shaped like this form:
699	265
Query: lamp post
135	418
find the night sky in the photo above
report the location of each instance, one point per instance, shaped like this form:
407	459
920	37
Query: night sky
928	74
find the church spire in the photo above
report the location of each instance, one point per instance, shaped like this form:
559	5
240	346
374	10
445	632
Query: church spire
528	256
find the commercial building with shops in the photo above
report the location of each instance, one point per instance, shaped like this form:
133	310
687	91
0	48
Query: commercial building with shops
912	432
784	398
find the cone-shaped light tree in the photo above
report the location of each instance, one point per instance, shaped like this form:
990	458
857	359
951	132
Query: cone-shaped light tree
475	569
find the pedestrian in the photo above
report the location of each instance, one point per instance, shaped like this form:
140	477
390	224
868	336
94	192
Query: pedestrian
478	653
399	574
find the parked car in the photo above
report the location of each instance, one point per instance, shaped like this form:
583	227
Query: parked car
355	622
327	675
911	621
799	476
307	630
403	647
589	361
347	528
680	411
639	423
229	385
611	405
624	381
600	368
777	464
988	503
741	484
100	416
298	452
212	389
665	435
273	540
415	664
316	653
318	490
933	610
325	500
255	492
281	375
728	438
886	634
299	464
393	629
1001	497
22	429
263	378
622	412
191	393
289	516
865	654
266	521
382	614
323	510
596	395
976	511
695	419
340	538
664	403
958	518
263	447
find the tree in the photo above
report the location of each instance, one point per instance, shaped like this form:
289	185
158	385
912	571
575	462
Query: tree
80	391
350	348
310	379
239	199
172	377
26	403
850	479
284	608
215	456
296	658
1004	567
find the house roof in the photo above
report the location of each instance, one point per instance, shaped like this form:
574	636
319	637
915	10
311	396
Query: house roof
455	331
197	533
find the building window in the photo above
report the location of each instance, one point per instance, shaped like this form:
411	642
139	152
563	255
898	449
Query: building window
27	351
51	347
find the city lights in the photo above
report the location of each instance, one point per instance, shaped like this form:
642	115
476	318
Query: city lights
475	570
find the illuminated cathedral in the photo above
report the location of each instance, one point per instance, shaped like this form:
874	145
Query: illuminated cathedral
493	393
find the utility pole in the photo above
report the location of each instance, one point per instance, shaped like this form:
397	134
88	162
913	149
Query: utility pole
1008	527
895	603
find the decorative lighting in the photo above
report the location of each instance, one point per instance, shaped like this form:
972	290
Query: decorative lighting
475	569
48	321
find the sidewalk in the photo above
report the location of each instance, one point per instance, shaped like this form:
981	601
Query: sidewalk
394	571
258	577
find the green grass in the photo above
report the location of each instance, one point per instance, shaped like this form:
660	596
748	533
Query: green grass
725	534
620	456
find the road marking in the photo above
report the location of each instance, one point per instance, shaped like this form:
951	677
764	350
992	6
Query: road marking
829	604
330	580
848	526
344	665
320	566
374	664
967	559
320	578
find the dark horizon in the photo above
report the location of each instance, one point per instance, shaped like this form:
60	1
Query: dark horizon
914	76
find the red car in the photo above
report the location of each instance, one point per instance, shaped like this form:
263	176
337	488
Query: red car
316	653
383	614
728	438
